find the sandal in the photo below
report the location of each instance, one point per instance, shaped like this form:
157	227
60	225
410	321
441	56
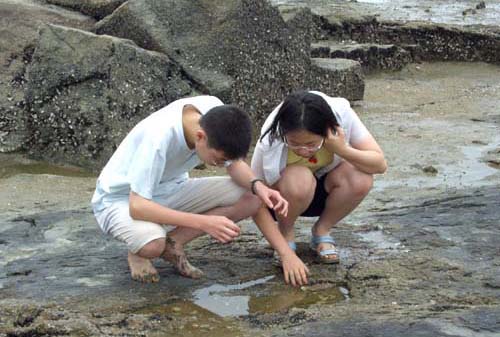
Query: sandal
323	255
276	256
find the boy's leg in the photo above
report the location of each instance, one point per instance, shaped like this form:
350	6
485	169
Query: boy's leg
210	196
145	240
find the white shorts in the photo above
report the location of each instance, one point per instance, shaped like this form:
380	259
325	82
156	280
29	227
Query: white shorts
197	195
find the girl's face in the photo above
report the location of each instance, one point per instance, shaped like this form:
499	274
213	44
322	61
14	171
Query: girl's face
304	143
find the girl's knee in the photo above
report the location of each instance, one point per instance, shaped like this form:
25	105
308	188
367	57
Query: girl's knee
297	183
361	184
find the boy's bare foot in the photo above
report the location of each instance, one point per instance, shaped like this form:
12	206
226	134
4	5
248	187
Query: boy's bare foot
174	253
142	269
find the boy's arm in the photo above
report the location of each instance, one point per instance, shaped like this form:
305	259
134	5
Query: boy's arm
219	227
243	175
294	270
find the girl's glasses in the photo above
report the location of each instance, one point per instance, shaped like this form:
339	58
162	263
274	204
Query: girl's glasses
310	148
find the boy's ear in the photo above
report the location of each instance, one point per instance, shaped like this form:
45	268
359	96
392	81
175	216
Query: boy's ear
200	134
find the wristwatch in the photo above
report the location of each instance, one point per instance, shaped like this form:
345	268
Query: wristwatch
253	182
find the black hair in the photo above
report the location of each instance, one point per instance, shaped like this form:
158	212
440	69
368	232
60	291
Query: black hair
228	129
302	110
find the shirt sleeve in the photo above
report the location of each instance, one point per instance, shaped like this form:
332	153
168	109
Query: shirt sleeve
257	161
357	129
146	170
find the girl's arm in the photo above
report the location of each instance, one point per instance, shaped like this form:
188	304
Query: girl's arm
294	270
365	154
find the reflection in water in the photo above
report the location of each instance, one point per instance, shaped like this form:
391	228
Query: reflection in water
225	305
216	300
380	240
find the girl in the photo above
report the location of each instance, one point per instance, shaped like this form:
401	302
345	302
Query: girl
317	153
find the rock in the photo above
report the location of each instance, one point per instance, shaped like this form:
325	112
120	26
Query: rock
424	41
345	76
371	56
240	50
19	22
97	9
430	169
85	92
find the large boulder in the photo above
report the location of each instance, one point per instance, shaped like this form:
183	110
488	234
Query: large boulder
241	50
19	24
94	8
85	92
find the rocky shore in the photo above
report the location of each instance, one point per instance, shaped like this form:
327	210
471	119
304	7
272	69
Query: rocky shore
419	257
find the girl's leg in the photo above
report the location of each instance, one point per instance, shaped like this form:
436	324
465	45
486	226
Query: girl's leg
346	187
297	185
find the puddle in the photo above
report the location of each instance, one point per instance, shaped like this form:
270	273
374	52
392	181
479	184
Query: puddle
11	165
470	171
215	299
219	300
214	308
190	320
380	240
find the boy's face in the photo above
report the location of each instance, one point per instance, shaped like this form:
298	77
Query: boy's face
208	155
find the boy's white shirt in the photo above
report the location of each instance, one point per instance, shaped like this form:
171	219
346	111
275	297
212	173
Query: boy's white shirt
269	160
153	159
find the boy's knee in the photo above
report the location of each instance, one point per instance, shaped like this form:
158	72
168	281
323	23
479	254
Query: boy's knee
152	249
251	202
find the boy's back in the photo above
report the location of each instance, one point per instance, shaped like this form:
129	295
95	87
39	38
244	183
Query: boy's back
153	159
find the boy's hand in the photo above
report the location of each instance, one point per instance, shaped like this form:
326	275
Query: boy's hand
221	228
294	270
271	198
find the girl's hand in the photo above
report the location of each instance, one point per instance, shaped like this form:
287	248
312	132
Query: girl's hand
335	143
271	198
295	271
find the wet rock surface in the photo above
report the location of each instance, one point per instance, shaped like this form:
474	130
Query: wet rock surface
419	256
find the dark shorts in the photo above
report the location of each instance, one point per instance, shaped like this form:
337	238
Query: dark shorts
317	205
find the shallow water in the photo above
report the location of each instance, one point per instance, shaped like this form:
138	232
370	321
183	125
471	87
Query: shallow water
11	165
227	300
379	240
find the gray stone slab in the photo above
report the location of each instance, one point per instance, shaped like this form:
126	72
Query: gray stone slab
371	56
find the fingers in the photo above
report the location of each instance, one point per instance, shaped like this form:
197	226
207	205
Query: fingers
340	131
280	205
296	275
268	201
223	229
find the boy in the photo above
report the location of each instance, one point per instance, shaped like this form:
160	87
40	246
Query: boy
145	185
